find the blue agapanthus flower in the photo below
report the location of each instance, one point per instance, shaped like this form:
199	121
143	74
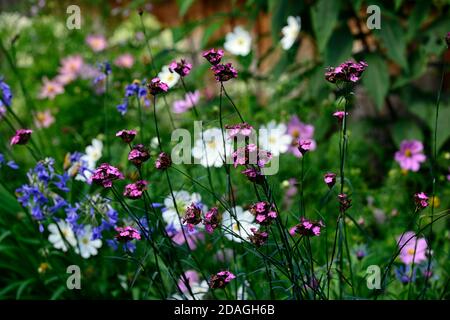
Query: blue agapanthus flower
136	89
11	164
5	93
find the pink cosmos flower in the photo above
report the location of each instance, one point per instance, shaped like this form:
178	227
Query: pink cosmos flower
50	89
192	278
299	130
71	67
126	234
96	42
183	105
191	235
125	61
44	119
412	249
22	136
410	155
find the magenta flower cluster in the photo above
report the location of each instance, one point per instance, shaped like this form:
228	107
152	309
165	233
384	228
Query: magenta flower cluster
348	71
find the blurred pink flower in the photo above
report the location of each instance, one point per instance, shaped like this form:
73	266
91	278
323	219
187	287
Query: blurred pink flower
44	119
50	89
299	130
183	105
412	249
70	69
410	155
125	60
192	236
192	278
96	42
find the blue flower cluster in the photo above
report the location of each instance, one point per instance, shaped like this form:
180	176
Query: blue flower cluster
40	194
137	89
94	210
9	163
6	94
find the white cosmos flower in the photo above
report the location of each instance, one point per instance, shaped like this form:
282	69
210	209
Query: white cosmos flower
274	138
168	77
93	153
238	42
241	229
86	246
210	151
182	199
198	291
290	32
61	239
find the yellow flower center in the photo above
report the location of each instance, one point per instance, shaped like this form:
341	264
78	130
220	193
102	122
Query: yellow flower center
408	153
411	251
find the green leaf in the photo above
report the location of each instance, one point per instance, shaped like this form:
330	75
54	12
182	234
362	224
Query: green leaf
277	8
324	15
184	6
376	79
209	31
418	15
339	48
393	37
406	130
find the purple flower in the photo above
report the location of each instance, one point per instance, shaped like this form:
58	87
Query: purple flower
138	155
258	238
221	279
264	212
254	175
241	129
190	100
304	146
156	86
214	57
330	179
348	71
224	72
192	216
308	228
182	68
163	161
299	130
135	190
126	135
410	155
340	115
126	234
22	136
344	202
421	200
106	174
212	219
